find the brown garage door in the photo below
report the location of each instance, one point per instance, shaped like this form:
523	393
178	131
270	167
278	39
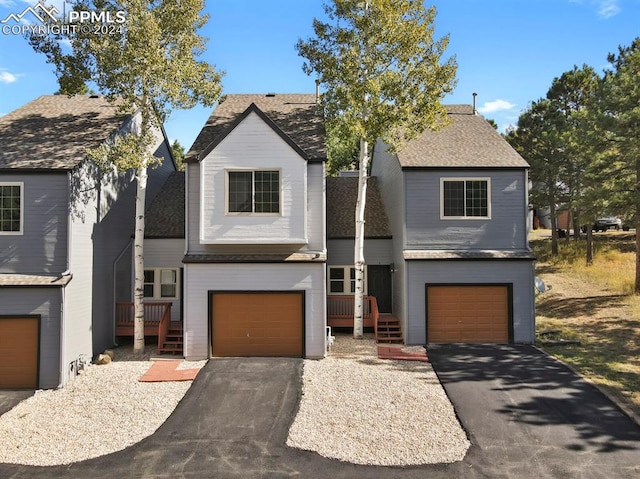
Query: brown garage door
257	324
467	314
19	353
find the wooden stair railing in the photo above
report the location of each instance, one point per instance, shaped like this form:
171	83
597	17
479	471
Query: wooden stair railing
173	341
340	311
157	322
167	341
388	329
153	314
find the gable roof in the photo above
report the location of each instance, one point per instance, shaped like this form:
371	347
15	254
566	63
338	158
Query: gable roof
53	131
295	117
165	217
342	194
469	142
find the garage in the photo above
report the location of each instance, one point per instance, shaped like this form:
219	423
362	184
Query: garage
257	324
19	352
469	314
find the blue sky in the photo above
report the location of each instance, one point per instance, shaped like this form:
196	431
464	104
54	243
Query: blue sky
508	51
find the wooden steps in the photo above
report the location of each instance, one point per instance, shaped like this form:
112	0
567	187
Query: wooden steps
389	329
174	340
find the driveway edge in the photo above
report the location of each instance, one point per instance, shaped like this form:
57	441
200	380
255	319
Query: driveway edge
623	407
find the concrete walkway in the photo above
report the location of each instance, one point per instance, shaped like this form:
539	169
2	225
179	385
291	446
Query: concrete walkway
527	417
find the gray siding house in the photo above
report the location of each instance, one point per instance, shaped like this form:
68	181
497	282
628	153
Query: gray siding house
63	224
457	203
254	268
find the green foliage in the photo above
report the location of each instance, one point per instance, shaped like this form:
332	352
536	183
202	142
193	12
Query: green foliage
119	152
147	64
177	150
381	69
618	124
538	141
554	136
342	146
573	95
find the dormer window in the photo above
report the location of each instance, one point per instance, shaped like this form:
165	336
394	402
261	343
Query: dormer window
253	191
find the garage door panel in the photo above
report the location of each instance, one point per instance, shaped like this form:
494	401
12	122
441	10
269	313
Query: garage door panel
257	324
467	314
19	353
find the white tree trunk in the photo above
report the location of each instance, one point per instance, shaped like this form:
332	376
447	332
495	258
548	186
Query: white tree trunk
138	268
358	257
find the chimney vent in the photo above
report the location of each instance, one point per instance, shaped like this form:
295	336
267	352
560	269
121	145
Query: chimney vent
317	91
270	95
475	112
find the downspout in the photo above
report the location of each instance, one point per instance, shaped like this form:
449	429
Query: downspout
115	268
185	274
62	370
63	367
63	339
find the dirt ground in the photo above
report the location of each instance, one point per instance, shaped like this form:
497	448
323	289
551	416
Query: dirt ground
606	325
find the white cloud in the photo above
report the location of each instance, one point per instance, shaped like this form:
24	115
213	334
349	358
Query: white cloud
608	8
604	8
7	77
496	105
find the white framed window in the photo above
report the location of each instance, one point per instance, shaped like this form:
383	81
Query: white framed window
253	191
465	198
162	283
11	208
342	280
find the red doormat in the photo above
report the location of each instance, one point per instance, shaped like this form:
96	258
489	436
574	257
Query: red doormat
162	371
396	352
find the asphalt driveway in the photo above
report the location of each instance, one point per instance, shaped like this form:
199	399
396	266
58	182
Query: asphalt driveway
527	417
9	399
530	416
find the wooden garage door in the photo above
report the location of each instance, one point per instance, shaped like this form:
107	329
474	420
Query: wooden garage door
19	353
257	324
467	314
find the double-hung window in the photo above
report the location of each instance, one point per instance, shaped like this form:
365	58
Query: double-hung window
342	280
11	208
465	198
253	191
161	283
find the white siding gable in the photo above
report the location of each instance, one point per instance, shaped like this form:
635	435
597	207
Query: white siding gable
253	145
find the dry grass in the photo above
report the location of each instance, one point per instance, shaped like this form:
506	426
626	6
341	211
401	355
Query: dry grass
595	306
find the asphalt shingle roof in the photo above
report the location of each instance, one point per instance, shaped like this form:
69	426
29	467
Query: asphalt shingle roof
53	132
297	115
342	194
165	215
469	142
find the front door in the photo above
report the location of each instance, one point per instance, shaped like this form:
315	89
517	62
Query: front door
379	285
